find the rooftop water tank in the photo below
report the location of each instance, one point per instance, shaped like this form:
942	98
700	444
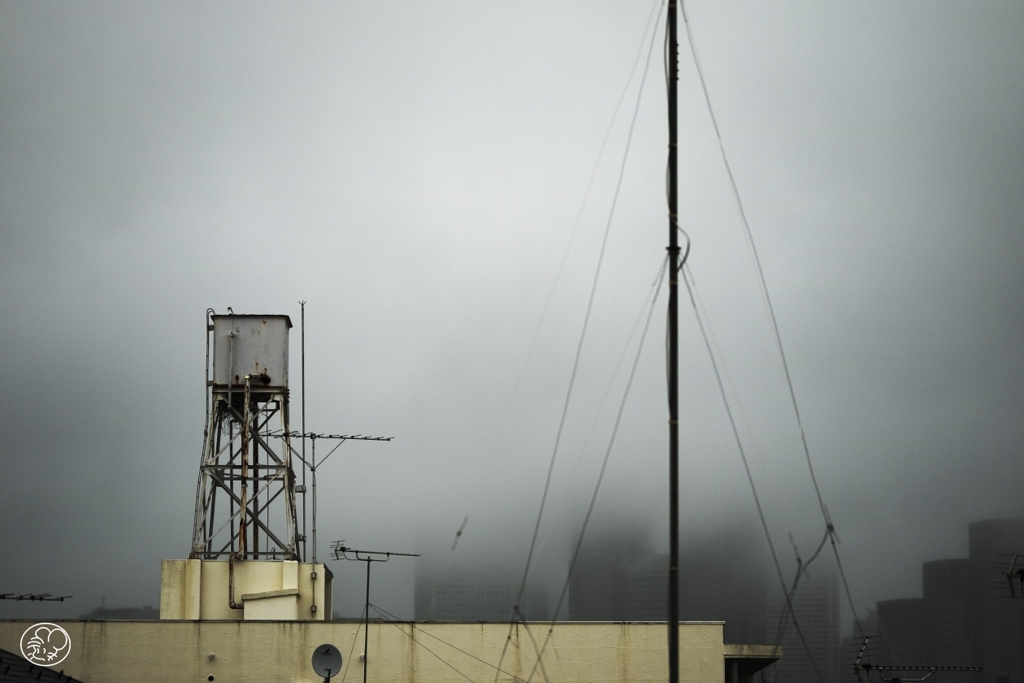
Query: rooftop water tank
254	345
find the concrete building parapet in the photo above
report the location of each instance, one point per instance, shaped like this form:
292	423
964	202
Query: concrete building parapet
277	590
229	651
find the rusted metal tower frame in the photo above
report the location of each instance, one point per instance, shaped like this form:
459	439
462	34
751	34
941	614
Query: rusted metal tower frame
238	430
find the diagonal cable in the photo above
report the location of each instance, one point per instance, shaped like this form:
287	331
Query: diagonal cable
688	275
568	395
396	620
353	649
413	638
604	466
579	212
771	311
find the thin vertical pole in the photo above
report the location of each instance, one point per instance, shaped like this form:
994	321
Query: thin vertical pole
366	623
305	543
243	528
673	362
313	474
206	388
255	487
232	479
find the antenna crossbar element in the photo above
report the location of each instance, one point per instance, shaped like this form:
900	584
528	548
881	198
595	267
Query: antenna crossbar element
341	552
883	670
933	669
343	437
34	597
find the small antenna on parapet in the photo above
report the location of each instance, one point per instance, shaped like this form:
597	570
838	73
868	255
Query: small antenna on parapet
343	552
861	653
1012	570
872	673
35	597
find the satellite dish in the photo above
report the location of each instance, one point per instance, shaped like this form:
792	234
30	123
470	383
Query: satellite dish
326	661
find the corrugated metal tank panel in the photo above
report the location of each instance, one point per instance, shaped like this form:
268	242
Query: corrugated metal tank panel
250	344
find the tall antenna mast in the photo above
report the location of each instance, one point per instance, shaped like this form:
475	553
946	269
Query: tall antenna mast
673	347
305	543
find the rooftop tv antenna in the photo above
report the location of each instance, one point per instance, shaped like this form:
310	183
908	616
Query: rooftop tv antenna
313	464
343	552
1013	571
35	597
864	671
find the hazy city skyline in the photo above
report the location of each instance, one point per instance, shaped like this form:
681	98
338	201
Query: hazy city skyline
414	172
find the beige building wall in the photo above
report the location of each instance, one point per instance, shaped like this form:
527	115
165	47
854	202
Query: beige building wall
277	590
234	651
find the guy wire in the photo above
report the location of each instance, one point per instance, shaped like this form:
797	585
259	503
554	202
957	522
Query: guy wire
771	309
413	638
395	621
355	637
579	212
801	569
583	333
688	275
604	466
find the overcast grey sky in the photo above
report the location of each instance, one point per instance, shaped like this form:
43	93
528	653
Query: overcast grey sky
413	171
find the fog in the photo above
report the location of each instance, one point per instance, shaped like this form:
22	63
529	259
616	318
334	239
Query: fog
414	172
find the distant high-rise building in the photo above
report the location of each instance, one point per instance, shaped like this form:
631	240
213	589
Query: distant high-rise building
998	620
103	613
598	586
647	589
817	656
467	596
949	631
721	578
962	620
901	627
474	594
